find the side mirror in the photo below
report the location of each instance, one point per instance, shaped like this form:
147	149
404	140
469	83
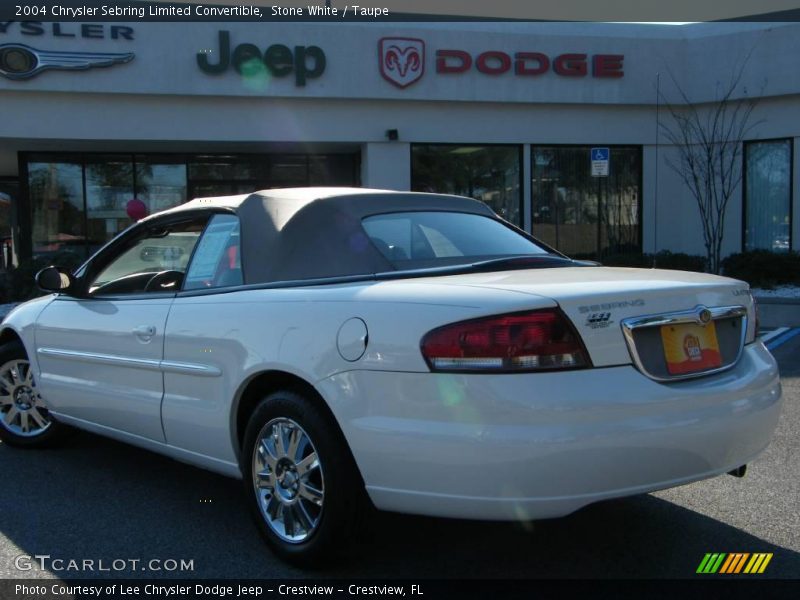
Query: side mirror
54	279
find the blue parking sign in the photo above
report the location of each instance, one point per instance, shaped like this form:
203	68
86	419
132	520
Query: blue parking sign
600	159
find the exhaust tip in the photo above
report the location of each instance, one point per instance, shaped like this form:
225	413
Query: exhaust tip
738	471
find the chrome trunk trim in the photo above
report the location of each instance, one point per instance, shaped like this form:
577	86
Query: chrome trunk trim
699	315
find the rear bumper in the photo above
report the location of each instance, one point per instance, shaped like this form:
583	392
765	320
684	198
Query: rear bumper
545	444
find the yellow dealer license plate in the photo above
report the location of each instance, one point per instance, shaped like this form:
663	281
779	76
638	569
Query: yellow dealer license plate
689	348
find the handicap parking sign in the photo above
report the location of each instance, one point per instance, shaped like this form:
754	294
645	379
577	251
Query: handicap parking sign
599	157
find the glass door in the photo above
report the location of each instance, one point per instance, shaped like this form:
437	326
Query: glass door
9	191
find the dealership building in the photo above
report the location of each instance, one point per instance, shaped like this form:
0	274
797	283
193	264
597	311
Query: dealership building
554	125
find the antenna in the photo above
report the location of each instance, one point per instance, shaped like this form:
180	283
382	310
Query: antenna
655	194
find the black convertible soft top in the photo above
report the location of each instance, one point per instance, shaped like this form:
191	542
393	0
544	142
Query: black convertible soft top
307	233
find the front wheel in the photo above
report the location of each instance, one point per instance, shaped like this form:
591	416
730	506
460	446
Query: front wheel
25	420
300	478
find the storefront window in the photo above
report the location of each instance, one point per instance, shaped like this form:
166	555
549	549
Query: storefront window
487	173
768	195
109	189
160	183
9	194
229	168
287	170
55	190
224	175
332	169
581	215
123	188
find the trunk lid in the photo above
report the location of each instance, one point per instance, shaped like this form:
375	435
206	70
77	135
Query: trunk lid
597	299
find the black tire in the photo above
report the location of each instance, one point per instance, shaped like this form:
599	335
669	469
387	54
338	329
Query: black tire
12	433
344	496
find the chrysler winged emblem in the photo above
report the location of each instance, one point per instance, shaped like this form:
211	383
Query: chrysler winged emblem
402	60
18	61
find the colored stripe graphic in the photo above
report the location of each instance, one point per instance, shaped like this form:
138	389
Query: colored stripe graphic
734	563
727	564
711	562
758	563
703	563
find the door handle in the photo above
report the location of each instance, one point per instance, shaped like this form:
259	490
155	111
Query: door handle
144	331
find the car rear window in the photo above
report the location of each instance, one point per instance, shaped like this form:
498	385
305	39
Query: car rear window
426	239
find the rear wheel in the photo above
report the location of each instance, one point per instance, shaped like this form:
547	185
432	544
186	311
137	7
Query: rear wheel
25	420
303	487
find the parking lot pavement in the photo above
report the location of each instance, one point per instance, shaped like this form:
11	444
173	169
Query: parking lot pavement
98	499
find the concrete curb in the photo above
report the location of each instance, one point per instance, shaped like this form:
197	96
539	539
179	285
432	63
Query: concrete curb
774	300
779	312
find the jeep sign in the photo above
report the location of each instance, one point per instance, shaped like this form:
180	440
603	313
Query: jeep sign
306	62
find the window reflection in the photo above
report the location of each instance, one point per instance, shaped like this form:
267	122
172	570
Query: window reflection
332	169
581	215
768	195
123	188
9	193
487	173
228	167
286	170
109	189
160	184
56	197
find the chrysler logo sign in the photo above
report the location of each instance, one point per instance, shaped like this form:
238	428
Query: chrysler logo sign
18	61
402	60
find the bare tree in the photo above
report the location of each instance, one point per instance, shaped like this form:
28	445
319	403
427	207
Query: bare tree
709	140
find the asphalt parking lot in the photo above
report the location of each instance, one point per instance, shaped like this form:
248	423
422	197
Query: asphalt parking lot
98	499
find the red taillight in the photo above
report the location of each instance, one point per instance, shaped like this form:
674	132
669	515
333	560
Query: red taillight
531	341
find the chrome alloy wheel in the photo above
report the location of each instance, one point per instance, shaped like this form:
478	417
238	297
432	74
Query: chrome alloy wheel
288	480
22	410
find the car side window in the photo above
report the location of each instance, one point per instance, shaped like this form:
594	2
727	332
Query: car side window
217	261
153	262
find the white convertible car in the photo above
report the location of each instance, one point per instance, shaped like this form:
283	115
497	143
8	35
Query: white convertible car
336	346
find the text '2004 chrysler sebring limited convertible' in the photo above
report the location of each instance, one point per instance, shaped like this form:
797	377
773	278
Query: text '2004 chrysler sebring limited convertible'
333	346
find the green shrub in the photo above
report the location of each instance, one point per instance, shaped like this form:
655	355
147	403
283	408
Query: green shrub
680	261
763	268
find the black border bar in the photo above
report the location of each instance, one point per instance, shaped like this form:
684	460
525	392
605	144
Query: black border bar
708	586
571	10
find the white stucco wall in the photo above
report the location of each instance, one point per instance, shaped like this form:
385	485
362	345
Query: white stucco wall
166	60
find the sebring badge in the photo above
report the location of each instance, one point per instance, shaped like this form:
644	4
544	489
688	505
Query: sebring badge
18	61
599	320
402	60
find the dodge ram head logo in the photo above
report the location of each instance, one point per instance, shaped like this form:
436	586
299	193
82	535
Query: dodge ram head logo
402	60
18	61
